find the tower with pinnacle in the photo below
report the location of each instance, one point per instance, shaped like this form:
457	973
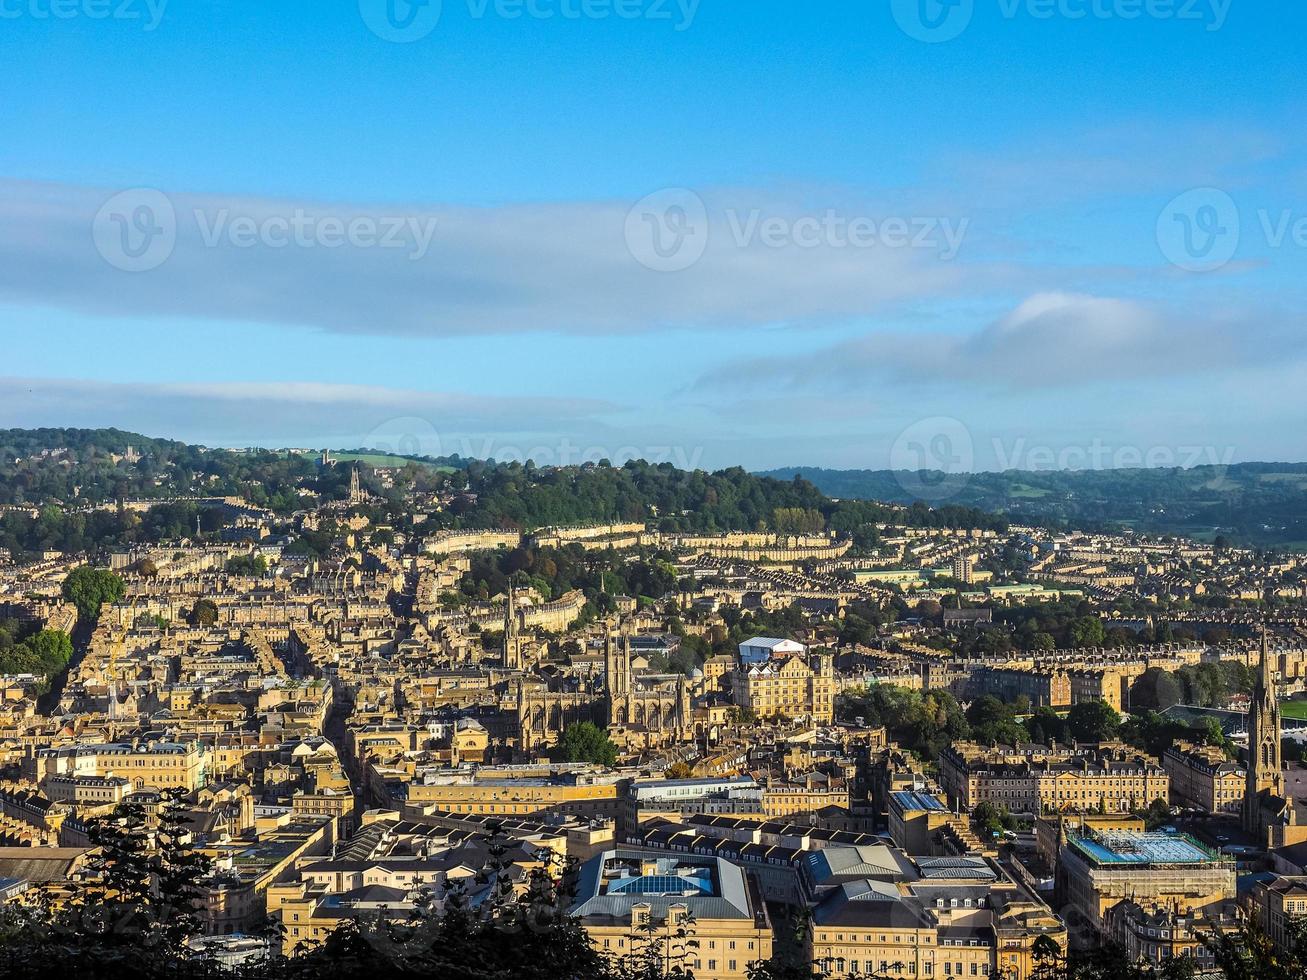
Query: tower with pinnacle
1264	792
355	489
512	635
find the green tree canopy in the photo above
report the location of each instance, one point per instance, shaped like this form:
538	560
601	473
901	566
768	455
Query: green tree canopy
587	742
90	588
204	612
1093	721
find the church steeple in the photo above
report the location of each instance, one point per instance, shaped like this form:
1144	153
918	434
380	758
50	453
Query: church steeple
512	642
1265	766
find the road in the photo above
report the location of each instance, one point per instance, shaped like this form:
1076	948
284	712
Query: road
48	703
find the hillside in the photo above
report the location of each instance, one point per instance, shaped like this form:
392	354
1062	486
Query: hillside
1251	503
74	476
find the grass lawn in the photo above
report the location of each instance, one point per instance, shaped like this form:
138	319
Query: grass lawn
1294	709
384	461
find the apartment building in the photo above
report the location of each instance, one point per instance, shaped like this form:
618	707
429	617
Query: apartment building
792	687
1044	687
1275	904
148	764
887	914
1202	777
626	897
1034	780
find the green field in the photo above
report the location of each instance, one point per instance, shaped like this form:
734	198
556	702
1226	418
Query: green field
387	461
1294	709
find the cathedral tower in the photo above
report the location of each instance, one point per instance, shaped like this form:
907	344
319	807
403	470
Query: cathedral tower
617	678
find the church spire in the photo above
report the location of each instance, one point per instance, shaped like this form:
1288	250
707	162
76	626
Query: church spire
512	644
1265	773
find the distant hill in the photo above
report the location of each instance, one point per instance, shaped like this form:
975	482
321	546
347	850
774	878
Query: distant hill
1261	504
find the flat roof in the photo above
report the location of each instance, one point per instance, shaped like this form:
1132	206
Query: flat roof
918	801
1126	847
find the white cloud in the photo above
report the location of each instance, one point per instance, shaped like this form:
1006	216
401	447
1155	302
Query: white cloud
1050	339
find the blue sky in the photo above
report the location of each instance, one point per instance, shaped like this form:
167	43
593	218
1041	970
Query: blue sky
996	233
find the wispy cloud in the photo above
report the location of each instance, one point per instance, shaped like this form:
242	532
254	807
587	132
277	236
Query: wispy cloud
579	267
1051	339
271	413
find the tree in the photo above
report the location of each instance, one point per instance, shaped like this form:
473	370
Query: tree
994	721
992	820
1046	725
204	612
1156	689
1093	721
90	588
678	770
45	654
1087	631
1158	814
255	566
587	742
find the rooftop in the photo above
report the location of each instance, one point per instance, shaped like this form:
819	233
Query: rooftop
612	882
918	801
1123	847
